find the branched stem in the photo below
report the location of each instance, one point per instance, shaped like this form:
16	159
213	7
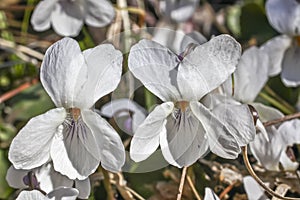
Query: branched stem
180	189
258	180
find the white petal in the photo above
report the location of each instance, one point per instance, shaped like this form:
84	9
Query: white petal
111	149
61	161
29	195
239	121
267	113
186	140
104	73
63	72
275	48
31	147
84	188
63	193
251	74
125	108
290	131
67	18
253	189
81	146
155	66
182	10
268	153
50	179
166	34
41	15
284	16
208	66
287	163
220	139
290	74
146	138
14	177
210	195
99	13
260	126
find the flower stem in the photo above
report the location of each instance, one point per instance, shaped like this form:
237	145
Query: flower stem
190	182
275	103
276	96
150	99
258	180
180	189
26	18
107	185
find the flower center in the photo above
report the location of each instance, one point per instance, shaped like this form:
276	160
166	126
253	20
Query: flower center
75	113
74	124
182	105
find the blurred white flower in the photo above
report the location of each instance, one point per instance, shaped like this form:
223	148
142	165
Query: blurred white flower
184	128
284	50
72	135
210	195
61	193
127	114
45	178
253	190
178	11
68	16
250	77
270	153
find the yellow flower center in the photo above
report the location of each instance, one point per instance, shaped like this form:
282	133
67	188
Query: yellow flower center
75	112
182	105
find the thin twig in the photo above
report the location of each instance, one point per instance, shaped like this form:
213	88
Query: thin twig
20	48
134	193
130	190
190	182
226	190
16	91
283	119
180	189
258	180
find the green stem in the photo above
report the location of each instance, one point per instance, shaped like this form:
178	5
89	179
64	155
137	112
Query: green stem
150	99
89	43
276	96
26	18
275	103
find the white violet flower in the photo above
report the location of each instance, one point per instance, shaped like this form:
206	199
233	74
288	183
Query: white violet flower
72	135
183	127
68	16
284	50
46	179
61	193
